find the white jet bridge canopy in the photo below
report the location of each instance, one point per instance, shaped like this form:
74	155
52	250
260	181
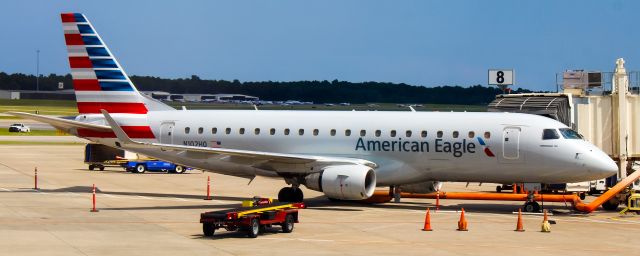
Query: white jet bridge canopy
556	106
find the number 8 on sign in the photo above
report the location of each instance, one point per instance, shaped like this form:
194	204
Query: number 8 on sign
501	76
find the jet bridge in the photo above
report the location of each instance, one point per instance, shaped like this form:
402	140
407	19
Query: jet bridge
605	112
552	105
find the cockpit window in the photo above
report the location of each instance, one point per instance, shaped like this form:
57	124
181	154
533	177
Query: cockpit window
550	134
570	134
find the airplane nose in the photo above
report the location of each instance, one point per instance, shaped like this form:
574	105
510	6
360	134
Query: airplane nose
603	165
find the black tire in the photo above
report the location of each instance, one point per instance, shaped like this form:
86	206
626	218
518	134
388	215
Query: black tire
290	195
611	205
207	229
285	194
101	167
287	226
140	168
179	169
583	196
498	189
254	228
531	207
91	167
297	196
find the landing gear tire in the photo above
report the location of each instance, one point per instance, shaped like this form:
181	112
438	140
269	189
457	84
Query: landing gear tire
287	226
611	205
140	168
531	207
254	229
290	194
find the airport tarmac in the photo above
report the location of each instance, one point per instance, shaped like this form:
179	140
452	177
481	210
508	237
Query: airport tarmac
158	213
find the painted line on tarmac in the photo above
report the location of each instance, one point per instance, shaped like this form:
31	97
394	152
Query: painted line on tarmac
296	239
76	194
377	227
616	221
629	221
497	215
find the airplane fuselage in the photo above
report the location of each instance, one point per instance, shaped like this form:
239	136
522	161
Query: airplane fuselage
409	147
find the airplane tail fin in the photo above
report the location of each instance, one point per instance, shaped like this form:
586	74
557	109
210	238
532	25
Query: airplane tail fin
98	79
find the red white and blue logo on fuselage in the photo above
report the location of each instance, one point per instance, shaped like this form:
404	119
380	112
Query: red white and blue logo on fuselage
485	148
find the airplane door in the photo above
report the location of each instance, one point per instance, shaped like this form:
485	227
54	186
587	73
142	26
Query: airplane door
166	132
511	144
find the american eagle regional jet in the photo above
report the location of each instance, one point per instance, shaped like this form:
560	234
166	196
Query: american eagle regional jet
344	154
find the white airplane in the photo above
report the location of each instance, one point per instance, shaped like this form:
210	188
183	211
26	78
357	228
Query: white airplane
344	154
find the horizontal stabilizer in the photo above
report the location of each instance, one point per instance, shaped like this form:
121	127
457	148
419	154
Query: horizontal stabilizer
61	123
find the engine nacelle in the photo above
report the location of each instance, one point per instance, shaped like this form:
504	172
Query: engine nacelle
346	182
423	187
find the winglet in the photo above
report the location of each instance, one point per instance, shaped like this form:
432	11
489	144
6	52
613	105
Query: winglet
122	136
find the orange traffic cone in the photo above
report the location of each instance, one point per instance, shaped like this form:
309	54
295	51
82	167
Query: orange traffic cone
462	223
519	226
427	221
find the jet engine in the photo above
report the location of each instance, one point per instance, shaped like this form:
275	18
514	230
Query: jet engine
345	182
423	187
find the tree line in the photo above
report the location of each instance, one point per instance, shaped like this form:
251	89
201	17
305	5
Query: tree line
316	91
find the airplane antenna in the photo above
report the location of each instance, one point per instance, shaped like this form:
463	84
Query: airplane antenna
255	106
184	108
412	109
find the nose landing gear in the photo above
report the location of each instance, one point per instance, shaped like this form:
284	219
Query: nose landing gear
531	205
290	194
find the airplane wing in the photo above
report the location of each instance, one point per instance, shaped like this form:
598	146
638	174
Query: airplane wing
62	124
260	159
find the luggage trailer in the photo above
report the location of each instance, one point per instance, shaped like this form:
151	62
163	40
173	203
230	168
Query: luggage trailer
252	220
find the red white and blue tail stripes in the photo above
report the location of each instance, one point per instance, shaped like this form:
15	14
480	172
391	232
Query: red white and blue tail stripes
98	78
100	82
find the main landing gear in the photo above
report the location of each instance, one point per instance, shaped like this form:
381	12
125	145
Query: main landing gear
290	194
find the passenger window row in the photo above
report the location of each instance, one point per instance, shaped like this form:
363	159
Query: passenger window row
347	132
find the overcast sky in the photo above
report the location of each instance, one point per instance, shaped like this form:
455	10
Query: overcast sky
426	43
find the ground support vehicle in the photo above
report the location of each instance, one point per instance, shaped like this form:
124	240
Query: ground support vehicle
141	166
633	204
101	156
252	220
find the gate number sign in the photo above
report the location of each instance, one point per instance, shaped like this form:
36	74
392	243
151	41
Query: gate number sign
501	76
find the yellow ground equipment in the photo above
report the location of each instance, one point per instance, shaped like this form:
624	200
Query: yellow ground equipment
633	204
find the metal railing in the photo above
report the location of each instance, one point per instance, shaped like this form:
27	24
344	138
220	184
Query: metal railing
605	85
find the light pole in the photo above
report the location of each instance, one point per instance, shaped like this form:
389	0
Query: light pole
38	70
